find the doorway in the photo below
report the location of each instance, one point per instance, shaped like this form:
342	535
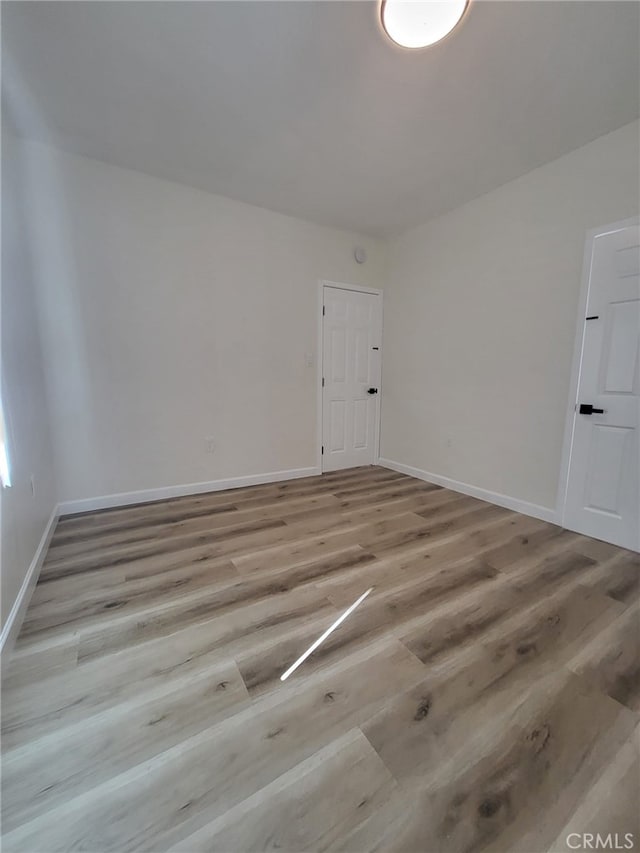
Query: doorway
351	360
601	470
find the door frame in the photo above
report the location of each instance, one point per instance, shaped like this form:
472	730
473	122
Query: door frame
322	283
567	444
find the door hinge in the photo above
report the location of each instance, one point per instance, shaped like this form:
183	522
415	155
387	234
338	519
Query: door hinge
322	451
324	310
323	381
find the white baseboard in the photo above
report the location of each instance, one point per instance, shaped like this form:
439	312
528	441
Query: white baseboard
147	495
14	619
535	510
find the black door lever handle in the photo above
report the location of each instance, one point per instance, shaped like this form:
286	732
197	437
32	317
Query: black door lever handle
372	390
587	409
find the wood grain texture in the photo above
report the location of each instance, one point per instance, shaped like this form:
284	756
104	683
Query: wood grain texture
485	696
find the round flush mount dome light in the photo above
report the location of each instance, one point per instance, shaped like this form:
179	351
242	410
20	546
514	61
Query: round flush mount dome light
420	23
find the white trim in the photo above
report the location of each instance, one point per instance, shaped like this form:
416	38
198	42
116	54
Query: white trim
14	620
358	288
567	443
378	426
147	495
535	510
319	396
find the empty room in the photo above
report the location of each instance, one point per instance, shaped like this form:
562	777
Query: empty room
320	426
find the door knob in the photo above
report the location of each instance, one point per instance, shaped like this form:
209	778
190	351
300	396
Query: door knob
372	390
587	409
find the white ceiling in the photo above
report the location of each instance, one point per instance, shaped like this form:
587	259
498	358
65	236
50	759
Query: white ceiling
306	108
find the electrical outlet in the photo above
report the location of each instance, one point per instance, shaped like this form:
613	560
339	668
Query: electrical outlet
210	444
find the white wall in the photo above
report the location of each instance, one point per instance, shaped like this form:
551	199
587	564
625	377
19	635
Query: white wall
173	315
25	516
480	318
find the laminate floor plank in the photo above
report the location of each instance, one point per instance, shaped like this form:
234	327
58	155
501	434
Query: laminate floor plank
37	709
316	544
530	546
386	614
430	722
305	491
153	558
138	621
162	530
66	589
207	576
341	792
610	807
39	776
210	772
402	489
534	762
226	628
436	561
74	612
438	529
443	632
617	577
611	660
221	540
484	696
20	670
100	682
34	662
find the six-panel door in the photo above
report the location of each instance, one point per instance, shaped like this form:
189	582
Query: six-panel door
604	471
351	369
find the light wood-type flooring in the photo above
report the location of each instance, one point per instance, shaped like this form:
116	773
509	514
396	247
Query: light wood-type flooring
485	696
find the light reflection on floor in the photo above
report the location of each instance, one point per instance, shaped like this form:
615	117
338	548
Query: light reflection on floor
324	636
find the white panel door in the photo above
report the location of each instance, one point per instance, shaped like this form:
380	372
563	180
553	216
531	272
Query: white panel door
351	332
604	470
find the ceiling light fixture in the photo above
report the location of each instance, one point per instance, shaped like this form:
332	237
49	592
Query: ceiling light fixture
420	23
